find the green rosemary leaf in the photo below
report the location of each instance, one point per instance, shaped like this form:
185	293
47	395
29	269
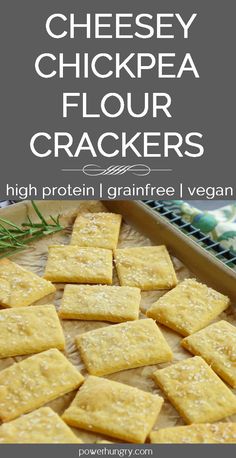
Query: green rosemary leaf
39	213
14	238
8	233
10	223
56	221
30	222
11	252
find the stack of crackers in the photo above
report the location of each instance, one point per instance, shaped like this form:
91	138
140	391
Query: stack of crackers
198	387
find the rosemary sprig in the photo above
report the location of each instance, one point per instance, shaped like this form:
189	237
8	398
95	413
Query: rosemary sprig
14	238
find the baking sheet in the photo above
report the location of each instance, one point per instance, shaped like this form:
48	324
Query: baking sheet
34	259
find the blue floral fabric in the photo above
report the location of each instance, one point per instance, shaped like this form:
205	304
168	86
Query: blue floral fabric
219	224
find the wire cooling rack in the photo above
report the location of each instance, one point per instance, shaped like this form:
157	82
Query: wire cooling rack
224	254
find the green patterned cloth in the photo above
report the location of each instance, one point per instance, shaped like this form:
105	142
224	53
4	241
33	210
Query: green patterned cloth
219	224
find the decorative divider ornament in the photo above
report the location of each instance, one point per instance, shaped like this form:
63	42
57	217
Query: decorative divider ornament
96	170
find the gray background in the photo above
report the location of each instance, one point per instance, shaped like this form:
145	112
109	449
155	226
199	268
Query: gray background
74	451
30	104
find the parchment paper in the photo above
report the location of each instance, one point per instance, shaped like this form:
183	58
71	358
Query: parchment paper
34	259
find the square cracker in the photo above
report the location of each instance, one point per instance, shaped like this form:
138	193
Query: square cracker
196	391
148	268
114	409
104	442
102	303
99	230
205	433
123	346
188	307
19	287
29	384
30	330
42	426
73	264
217	345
